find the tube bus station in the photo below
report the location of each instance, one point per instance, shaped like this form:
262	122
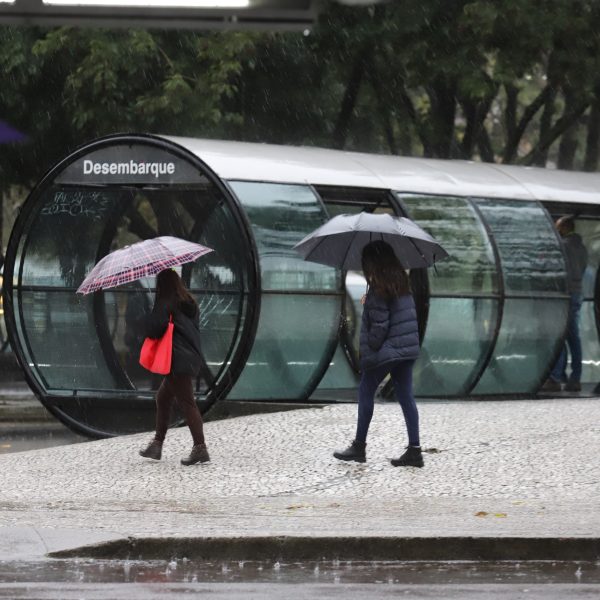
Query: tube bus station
493	316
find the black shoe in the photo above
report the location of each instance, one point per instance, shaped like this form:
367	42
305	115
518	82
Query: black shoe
153	450
199	454
356	451
411	458
573	386
550	385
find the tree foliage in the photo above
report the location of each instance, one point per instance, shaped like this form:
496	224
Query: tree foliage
513	81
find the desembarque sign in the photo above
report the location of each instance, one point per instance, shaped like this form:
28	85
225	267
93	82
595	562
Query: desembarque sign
130	164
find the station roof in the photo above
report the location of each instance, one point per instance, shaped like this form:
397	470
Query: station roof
318	166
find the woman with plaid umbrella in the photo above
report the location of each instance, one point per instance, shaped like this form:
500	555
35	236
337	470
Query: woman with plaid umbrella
173	299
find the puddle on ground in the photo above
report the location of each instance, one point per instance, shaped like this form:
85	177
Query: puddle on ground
347	572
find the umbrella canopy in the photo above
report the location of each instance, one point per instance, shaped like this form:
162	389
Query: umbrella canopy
142	259
9	134
340	241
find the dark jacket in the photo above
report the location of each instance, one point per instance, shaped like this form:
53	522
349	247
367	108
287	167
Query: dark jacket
187	355
389	331
577	258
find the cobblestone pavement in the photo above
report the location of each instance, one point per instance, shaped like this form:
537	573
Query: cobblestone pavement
492	468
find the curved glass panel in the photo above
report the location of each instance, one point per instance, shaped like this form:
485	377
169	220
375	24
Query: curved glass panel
56	326
528	340
294	336
86	347
62	347
280	216
470	267
590	348
463	306
296	331
535	308
340	381
457	341
530	253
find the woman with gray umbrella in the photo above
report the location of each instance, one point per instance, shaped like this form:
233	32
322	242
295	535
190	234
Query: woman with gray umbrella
389	344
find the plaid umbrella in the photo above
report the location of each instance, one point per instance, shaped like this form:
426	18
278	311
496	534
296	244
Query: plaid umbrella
143	259
340	241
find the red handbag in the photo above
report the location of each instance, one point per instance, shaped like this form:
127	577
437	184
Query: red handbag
156	355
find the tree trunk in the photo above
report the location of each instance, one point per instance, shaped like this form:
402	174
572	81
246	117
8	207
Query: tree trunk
510	113
442	96
467	145
540	156
342	126
568	141
384	112
484	144
475	113
592	143
514	138
410	111
556	131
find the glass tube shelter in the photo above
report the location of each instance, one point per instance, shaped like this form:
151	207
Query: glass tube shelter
274	327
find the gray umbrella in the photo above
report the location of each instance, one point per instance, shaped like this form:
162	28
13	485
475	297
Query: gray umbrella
340	241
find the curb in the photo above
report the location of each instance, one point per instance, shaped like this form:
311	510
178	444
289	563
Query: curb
343	548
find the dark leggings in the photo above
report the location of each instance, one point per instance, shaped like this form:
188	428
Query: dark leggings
401	374
179	388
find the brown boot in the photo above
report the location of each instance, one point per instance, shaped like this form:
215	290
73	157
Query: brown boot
153	450
199	454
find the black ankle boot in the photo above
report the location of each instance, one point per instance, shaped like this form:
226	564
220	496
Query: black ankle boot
411	458
152	450
356	451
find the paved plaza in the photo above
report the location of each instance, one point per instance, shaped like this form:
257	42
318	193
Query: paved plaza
495	468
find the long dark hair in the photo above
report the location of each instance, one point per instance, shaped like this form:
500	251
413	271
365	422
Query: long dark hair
171	291
383	271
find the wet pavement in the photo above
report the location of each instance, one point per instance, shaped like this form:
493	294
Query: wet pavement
182	570
21	437
516	477
85	579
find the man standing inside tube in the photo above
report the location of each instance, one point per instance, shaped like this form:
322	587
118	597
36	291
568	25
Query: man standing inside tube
577	258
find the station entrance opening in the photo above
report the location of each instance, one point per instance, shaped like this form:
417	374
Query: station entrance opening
81	352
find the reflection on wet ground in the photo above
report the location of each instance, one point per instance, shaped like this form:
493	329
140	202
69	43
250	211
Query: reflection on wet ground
325	572
32	436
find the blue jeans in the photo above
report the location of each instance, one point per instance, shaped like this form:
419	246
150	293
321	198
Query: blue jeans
559	371
401	374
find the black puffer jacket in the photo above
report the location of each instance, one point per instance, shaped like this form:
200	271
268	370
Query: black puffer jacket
187	355
389	332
